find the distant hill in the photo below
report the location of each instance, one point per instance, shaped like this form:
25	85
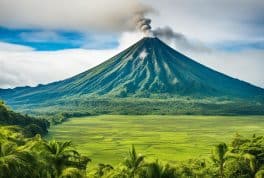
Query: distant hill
30	125
146	73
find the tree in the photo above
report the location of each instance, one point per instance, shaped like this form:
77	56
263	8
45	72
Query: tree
251	151
219	157
33	129
102	170
134	161
193	168
15	162
71	172
260	174
157	170
59	156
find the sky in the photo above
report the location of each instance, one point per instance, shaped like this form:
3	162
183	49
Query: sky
51	40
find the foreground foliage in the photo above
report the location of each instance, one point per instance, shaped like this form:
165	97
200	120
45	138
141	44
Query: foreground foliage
35	157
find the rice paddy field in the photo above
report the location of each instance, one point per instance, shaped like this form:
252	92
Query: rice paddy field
107	138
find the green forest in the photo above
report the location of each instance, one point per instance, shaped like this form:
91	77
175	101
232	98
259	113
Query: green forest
24	153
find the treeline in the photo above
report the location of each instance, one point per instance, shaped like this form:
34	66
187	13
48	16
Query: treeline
58	118
145	106
37	158
31	125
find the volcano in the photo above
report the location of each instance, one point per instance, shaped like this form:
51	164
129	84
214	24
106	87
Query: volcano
148	69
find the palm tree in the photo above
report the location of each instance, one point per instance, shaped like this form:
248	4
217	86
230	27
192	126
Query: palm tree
15	162
71	172
134	161
260	174
219	157
257	172
103	168
251	159
60	155
157	170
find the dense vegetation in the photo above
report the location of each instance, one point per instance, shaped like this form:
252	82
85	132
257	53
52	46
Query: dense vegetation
25	154
85	106
35	157
31	125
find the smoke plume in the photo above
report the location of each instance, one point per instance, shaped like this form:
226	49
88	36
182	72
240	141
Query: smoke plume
179	40
143	24
175	39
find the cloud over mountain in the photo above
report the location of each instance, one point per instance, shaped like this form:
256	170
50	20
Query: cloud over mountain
102	15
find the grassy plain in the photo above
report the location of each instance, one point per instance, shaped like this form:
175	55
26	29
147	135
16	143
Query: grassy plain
107	138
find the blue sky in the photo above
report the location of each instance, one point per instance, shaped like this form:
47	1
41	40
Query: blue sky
235	46
43	40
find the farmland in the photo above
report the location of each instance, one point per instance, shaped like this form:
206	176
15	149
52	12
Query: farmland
106	138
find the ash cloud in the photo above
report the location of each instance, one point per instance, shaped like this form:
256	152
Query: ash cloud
175	39
143	24
179	40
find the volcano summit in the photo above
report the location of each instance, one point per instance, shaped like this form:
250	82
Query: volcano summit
150	74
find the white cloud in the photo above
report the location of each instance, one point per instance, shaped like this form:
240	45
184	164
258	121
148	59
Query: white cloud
20	65
13	47
211	20
33	67
41	36
244	65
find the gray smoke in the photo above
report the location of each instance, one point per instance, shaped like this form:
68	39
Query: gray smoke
179	40
143	24
166	34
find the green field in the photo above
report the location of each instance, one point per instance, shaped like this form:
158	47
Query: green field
107	138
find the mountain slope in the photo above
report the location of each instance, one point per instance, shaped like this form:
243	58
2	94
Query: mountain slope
149	69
